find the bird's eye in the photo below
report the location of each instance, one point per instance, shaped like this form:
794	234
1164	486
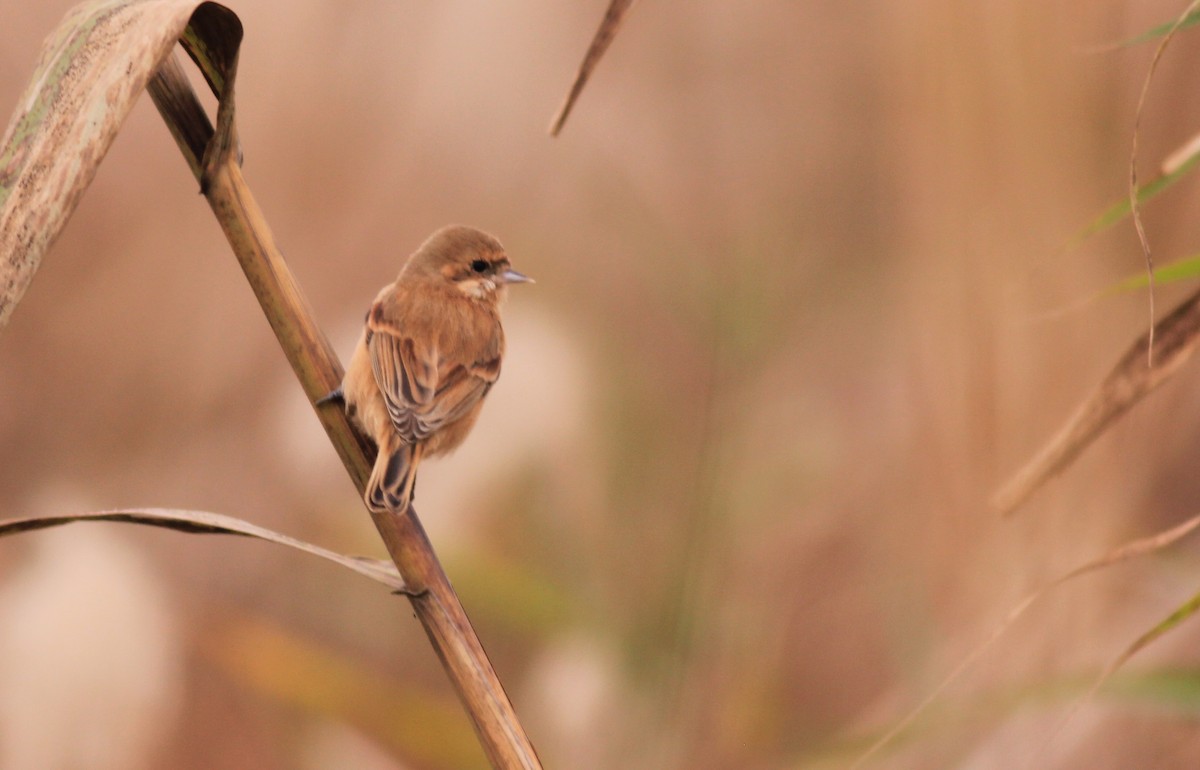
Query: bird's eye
480	265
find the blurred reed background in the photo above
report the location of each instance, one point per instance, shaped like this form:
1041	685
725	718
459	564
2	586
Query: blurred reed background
800	268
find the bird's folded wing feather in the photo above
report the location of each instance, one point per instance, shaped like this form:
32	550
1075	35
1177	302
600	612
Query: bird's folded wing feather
422	391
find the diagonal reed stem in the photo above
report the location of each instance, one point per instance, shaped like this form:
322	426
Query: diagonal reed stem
212	156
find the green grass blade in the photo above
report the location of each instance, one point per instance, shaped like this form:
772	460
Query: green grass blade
1121	209
1161	30
1180	270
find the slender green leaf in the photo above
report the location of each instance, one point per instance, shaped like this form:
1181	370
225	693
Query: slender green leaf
1176	689
1182	613
1180	270
1121	209
1161	30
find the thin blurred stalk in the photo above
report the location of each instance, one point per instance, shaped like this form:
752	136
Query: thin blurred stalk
600	42
212	156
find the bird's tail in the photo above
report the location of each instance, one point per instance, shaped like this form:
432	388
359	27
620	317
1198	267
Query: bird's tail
393	478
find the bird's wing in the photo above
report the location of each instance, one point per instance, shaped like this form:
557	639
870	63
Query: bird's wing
422	391
460	388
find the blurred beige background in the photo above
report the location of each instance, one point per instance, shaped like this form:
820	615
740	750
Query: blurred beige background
803	302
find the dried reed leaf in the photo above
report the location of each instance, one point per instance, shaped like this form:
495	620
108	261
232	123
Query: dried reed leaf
91	70
206	523
600	43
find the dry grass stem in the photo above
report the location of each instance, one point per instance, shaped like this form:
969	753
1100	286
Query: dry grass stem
1130	550
600	43
316	366
1174	340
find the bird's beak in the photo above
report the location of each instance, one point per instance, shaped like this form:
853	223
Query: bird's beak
512	276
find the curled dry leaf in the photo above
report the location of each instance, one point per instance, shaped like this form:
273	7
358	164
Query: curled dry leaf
92	69
206	523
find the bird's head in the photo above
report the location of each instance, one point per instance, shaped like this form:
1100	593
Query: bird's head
470	260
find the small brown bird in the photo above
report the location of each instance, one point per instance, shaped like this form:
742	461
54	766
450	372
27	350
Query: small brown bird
429	353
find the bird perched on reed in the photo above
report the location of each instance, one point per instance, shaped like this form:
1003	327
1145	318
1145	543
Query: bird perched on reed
430	351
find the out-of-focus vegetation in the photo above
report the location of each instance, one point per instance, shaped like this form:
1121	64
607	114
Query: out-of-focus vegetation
800	273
